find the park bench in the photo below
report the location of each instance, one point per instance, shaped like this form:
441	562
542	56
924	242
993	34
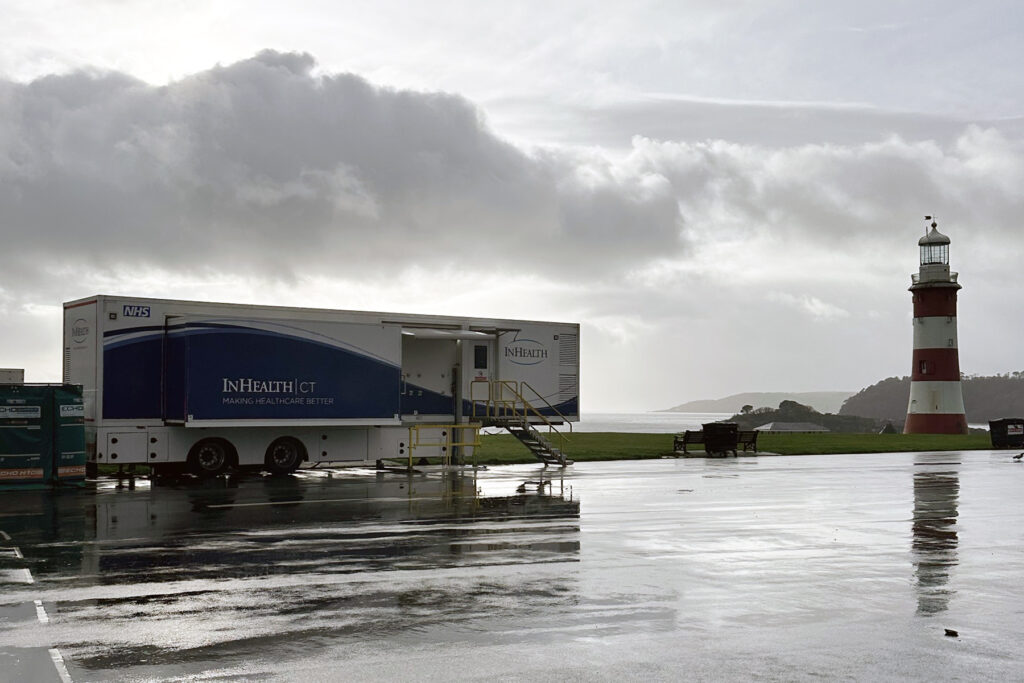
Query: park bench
688	438
746	439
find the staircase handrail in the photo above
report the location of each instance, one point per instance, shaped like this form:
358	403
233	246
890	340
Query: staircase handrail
527	406
517	407
565	420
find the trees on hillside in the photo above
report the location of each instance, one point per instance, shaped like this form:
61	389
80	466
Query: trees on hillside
886	400
791	411
985	398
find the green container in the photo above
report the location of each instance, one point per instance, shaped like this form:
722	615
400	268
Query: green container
68	434
42	434
25	454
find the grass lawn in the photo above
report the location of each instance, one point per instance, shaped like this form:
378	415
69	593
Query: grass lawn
503	449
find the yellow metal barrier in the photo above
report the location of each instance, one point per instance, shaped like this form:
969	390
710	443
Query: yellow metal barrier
445	440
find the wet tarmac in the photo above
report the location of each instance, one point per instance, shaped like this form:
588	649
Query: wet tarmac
771	568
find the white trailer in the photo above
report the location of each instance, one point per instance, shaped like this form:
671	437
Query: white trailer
215	385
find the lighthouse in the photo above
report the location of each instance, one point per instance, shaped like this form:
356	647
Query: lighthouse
936	400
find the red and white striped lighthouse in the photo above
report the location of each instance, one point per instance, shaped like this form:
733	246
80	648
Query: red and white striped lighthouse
936	400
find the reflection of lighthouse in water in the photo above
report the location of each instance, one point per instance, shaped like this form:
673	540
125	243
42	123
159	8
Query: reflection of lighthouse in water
936	494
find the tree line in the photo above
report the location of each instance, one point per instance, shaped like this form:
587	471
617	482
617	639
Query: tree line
791	411
985	398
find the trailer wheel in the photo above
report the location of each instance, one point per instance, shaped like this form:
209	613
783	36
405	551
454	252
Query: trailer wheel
209	457
284	455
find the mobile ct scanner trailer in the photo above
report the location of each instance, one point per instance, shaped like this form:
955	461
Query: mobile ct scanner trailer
215	385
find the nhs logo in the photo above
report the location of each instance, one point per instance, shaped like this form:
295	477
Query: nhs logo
135	311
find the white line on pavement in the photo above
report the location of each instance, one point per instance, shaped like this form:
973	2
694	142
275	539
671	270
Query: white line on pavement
41	612
58	662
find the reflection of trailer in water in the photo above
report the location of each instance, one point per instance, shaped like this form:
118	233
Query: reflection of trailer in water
219	385
321	524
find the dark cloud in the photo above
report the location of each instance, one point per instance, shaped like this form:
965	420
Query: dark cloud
265	167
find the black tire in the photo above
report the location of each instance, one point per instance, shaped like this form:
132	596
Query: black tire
284	455
209	458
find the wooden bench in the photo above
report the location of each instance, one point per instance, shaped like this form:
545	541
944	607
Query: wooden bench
747	439
688	438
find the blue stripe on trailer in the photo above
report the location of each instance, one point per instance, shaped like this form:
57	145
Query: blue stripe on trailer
236	373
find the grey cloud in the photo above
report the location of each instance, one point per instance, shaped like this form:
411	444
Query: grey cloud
263	166
771	124
834	195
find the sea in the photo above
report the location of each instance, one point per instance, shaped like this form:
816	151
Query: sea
654	422
645	422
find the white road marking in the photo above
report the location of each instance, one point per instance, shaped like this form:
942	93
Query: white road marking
3	535
41	612
28	576
58	662
14	552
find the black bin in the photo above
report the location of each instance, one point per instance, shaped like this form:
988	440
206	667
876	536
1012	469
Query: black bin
720	437
1007	432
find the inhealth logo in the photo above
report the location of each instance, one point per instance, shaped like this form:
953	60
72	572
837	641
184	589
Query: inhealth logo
251	385
525	352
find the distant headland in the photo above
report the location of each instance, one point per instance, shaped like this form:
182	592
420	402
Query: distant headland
985	397
822	401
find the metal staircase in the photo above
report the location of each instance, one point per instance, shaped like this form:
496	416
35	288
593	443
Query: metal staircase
505	406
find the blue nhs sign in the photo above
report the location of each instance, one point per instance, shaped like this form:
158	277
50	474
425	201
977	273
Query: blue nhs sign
135	311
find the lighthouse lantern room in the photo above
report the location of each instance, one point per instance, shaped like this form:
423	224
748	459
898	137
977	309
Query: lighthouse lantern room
936	399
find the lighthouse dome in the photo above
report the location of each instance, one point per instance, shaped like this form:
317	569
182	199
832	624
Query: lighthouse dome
933	237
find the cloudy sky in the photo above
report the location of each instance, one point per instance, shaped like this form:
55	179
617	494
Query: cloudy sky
726	194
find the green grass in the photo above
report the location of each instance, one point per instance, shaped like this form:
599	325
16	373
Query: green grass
503	449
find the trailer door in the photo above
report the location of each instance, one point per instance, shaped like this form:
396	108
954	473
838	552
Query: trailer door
428	375
480	371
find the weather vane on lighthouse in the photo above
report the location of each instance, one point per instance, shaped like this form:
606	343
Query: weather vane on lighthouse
936	399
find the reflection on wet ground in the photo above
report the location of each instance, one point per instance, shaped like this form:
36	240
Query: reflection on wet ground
936	491
778	569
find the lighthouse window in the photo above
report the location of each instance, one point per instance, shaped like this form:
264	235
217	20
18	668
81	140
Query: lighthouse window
934	253
924	367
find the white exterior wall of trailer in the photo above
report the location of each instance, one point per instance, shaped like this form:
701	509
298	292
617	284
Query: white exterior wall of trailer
161	375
